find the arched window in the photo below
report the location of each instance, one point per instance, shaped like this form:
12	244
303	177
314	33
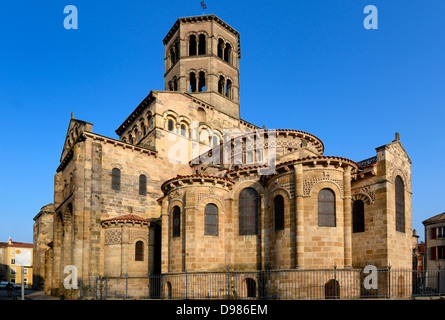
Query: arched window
171	125
211	220
279	212
227	53
400	204
192	45
183	130
175	84
248	212
358	216
202	82
221	84
176	222
220	48
192	82
116	179
202	44
172	56
142	185
130	139
215	141
326	208
139	251
228	91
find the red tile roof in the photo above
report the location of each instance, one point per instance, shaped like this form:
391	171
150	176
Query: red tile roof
127	217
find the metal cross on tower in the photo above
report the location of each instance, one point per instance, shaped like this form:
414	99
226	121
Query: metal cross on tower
204	7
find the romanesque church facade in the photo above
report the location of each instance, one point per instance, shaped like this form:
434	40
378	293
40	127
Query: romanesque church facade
174	192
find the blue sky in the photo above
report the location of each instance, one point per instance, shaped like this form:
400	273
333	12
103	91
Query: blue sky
308	65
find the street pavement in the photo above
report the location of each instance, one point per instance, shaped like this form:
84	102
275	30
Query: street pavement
29	295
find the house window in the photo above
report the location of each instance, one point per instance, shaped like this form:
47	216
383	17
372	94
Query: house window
433	233
12	261
326	208
433	253
139	251
358	216
279	212
12	271
142	185
116	179
441	252
248	212
176	222
211	220
441	232
400	204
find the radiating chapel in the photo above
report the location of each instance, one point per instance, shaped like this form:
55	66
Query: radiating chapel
187	185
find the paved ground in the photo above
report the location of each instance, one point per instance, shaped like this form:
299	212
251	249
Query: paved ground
29	295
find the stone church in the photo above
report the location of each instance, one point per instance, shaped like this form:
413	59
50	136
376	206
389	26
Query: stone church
187	185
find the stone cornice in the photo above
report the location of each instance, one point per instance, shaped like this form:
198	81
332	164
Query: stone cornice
191	179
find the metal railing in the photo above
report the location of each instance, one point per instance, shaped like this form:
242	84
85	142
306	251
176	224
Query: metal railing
272	284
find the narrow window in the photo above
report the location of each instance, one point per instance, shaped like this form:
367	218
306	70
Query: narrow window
433	253
227	53
172	56
211	220
192	45
139	251
228	92
183	130
221	85
116	179
175	84
177	50
202	44
130	139
358	216
176	222
220	48
171	125
326	208
400	204
279	212
142	185
433	233
248	212
192	82
441	252
215	141
202	82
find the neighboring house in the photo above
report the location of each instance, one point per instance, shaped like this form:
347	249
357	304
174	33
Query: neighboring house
9	270
435	249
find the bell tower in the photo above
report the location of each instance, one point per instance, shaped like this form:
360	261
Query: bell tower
202	55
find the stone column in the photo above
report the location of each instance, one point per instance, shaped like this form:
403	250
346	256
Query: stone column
125	249
347	217
299	213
